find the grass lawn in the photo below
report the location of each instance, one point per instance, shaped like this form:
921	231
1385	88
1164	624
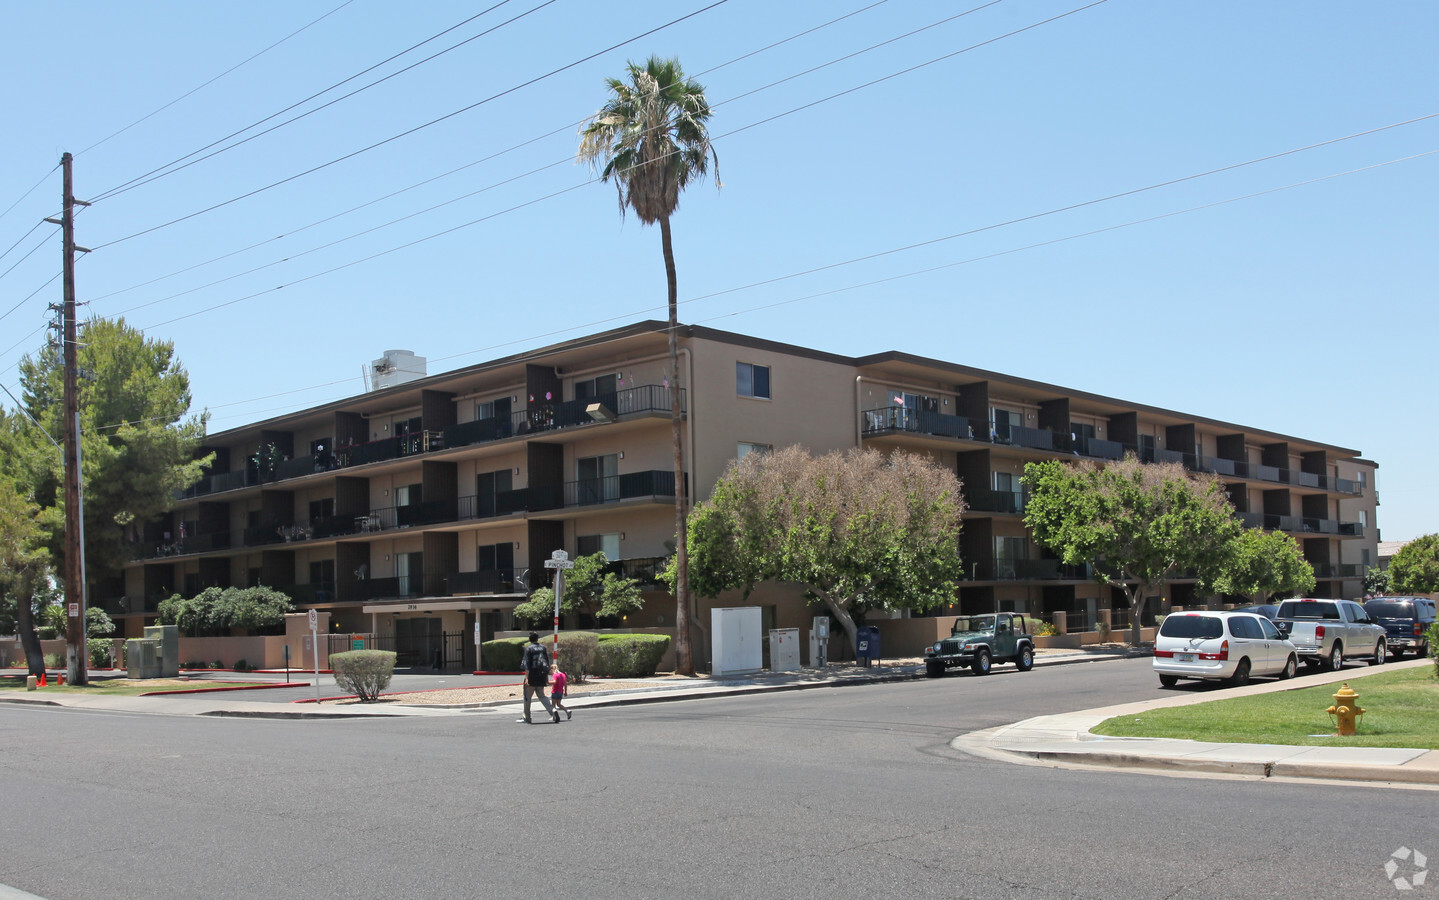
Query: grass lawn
121	687
1403	711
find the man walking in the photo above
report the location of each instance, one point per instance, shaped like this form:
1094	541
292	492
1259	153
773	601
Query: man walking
536	663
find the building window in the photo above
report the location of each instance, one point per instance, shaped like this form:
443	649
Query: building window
608	544
1009	554
1364	557
1002	423
1360	478
1363	518
599	479
752	380
745	449
601	386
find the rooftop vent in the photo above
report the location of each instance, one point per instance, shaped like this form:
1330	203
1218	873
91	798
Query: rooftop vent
395	367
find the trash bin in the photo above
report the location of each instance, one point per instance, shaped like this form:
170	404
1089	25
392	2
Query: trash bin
867	645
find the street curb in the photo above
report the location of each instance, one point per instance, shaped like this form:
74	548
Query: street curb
1254	768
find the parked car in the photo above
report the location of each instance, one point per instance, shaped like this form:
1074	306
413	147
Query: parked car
1269	611
1221	646
1405	619
979	642
1323	631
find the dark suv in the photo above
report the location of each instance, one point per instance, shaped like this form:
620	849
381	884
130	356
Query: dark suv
1406	619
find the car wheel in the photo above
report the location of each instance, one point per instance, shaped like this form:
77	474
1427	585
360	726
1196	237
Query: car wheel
1025	661
934	668
1336	658
981	663
1241	674
1168	680
1380	651
1290	669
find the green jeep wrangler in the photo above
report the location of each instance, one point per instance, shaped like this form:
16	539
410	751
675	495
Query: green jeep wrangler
981	641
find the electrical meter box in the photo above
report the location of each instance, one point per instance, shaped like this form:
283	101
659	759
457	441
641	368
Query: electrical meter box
784	650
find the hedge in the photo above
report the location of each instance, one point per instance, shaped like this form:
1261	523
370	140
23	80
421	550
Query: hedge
585	653
363	673
630	655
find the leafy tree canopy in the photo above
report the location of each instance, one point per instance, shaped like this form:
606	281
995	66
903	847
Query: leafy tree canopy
587	589
218	611
1261	564
137	439
1138	524
856	529
1415	568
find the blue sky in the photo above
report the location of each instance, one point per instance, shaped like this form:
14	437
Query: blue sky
1294	293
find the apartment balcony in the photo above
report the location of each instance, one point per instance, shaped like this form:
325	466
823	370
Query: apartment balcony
545	417
654	484
491	581
983	500
1301	525
991	569
896	419
645	570
426	513
1325	571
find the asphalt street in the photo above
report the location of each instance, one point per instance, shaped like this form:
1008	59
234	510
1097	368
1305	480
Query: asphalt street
834	793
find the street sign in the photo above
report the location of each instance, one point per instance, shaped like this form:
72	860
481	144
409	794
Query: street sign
314	619
74	610
559	560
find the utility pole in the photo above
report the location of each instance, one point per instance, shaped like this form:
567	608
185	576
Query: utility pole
77	652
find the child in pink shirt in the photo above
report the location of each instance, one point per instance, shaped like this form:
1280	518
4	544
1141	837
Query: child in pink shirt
557	691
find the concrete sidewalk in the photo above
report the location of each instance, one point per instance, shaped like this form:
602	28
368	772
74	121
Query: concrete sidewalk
1065	740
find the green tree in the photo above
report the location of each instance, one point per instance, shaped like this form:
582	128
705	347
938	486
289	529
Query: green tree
1377	581
588	589
24	568
651	139
1137	524
1261	564
138	440
1415	568
215	612
857	530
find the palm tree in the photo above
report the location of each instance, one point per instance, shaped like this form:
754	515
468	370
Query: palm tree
651	139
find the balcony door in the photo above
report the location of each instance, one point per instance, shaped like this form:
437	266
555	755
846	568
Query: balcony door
409	572
599	479
488	485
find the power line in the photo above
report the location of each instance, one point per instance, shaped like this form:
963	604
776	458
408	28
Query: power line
858	286
216	78
889	279
156	174
415	129
32	190
432	179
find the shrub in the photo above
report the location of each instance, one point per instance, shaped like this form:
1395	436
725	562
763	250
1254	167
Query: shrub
630	655
242	666
1044	629
502	655
1432	635
53	661
363	673
100	652
578	651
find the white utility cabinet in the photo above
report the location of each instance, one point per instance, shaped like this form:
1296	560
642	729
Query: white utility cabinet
784	650
737	632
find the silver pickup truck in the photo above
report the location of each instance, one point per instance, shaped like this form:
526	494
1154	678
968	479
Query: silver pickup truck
1324	631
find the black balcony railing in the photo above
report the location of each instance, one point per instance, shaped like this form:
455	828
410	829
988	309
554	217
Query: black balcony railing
984	500
630	486
426	513
1098	449
645	570
1337	570
890	419
490	581
991	569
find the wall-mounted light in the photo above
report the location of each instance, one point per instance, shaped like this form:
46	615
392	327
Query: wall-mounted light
622	454
622	535
387	492
514	398
517	545
517	470
1031	417
387	557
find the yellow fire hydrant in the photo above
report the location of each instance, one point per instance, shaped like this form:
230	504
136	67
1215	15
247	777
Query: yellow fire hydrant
1346	710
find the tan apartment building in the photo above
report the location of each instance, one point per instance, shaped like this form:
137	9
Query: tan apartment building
425	508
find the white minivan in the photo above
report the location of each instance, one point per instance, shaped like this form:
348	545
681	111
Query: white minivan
1221	646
